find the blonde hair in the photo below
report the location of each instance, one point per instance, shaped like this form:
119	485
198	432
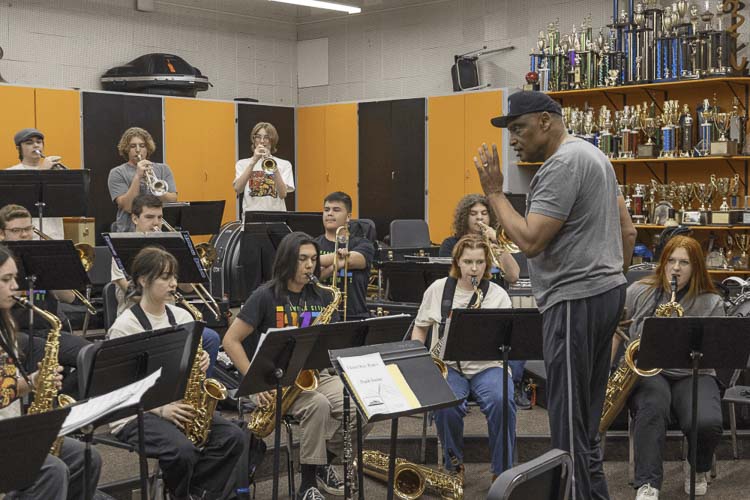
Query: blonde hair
273	134
123	147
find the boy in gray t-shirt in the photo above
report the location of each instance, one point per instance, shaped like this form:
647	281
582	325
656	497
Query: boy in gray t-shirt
575	234
128	180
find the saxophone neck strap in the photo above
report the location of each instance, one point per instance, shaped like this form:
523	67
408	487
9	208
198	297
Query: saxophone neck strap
140	315
446	303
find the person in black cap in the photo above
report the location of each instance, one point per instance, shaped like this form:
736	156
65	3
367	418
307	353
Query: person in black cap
575	233
30	145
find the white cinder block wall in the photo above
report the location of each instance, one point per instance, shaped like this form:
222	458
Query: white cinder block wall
71	43
408	52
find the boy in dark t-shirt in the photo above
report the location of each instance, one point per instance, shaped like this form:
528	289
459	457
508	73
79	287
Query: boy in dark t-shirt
289	299
337	208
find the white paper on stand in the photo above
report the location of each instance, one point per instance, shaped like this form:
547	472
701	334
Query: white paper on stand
95	408
373	385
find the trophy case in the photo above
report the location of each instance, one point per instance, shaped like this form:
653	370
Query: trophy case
661	92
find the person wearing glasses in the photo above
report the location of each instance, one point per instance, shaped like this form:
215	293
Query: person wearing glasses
264	189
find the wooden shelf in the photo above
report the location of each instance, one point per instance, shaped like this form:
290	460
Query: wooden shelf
655	227
626	161
728	271
708	83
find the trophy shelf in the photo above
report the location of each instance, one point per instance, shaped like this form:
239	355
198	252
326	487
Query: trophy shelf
627	161
625	90
656	227
735	272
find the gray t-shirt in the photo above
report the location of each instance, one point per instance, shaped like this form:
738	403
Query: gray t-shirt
642	301
577	185
119	182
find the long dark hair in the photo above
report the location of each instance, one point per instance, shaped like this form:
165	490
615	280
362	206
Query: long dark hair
7	325
149	264
286	260
461	214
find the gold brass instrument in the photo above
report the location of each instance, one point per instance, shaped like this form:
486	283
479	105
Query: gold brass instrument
46	396
263	419
269	165
411	480
202	393
342	241
56	165
438	347
157	187
207	255
86	254
622	381
503	245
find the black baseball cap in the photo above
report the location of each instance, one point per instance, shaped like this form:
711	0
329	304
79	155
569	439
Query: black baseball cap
525	102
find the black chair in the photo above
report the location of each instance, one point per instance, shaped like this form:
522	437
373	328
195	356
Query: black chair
545	478
364	228
735	395
410	233
109	297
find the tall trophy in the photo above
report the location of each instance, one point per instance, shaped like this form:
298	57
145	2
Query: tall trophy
734	190
649	126
721	185
743	244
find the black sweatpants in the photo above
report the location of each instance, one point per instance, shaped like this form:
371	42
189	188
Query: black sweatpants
577	345
186	468
652	403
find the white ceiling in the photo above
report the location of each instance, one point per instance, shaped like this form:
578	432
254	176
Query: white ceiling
288	13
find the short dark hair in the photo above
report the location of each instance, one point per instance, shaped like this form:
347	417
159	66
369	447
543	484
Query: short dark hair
145	200
287	257
149	264
340	197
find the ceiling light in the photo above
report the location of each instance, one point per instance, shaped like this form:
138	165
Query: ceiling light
323	5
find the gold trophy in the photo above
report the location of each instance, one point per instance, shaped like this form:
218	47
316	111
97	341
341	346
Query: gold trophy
649	126
743	244
685	193
734	190
721	186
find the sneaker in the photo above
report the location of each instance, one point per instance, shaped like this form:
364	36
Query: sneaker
701	481
329	481
520	398
646	492
311	493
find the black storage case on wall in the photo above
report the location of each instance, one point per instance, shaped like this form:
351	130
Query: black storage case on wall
162	74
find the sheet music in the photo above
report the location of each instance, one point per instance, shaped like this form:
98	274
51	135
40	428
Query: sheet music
374	385
266	334
85	413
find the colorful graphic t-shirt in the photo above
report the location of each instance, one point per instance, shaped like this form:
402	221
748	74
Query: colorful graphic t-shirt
264	310
8	383
260	191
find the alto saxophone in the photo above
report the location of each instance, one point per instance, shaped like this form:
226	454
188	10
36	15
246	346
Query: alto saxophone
202	393
46	396
262	420
411	480
622	381
438	347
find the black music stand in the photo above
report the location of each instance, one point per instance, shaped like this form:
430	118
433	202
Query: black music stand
307	222
125	246
419	371
26	444
195	217
492	335
276	364
108	365
47	265
47	193
258	249
694	343
407	281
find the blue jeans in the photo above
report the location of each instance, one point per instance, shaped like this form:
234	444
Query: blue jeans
516	367
211	344
486	389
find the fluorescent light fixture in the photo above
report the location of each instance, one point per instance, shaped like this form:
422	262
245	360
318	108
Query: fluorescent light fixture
323	5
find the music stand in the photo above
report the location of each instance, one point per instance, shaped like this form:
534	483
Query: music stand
407	281
488	335
108	365
276	364
307	222
26	444
47	193
694	343
420	373
195	217
258	249
125	246
47	265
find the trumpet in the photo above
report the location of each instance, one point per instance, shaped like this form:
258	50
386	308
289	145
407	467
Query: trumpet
86	254
56	165
207	255
504	244
269	165
157	187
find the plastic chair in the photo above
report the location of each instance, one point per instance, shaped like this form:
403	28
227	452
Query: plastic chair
547	477
109	298
410	233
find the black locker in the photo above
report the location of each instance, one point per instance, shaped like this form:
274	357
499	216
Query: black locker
105	118
391	161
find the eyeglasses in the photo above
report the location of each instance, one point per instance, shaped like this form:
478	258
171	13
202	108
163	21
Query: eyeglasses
681	263
20	230
261	138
